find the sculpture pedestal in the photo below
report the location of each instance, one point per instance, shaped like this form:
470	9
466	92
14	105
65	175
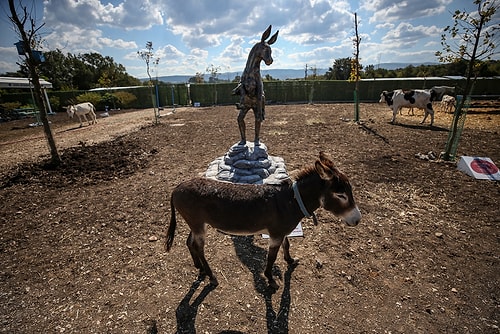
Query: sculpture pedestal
248	164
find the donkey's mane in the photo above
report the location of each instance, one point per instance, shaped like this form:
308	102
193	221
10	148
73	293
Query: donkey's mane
305	172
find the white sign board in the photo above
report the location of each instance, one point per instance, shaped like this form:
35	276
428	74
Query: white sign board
479	168
297	232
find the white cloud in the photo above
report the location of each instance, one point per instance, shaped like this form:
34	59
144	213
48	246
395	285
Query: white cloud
75	40
189	35
117	43
406	10
324	22
385	25
91	13
406	34
8	66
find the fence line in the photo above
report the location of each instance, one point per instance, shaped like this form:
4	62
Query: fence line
277	92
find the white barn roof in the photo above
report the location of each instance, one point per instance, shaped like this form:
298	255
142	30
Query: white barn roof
113	88
11	82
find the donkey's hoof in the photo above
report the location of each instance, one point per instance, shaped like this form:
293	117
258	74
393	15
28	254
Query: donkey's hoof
273	285
214	282
292	261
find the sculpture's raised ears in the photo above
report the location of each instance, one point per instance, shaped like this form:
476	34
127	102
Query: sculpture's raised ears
266	34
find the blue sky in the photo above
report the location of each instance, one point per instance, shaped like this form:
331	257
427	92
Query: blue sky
190	35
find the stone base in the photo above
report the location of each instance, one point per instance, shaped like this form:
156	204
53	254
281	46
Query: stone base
248	164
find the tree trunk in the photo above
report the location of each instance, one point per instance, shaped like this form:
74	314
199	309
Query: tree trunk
32	64
448	155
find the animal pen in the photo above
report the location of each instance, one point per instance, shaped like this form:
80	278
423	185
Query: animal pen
276	92
25	83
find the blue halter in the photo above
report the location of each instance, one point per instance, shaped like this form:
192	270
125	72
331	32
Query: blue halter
296	194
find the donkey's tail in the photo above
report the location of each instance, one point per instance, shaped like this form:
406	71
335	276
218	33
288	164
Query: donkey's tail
171	227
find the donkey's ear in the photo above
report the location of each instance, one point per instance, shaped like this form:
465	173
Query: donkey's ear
266	34
273	39
325	159
324	171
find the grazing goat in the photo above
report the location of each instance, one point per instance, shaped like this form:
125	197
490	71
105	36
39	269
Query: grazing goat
448	103
439	91
82	109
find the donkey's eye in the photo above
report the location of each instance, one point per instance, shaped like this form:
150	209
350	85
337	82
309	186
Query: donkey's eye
341	196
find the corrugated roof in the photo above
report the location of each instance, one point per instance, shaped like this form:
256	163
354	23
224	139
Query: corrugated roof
405	79
113	88
12	82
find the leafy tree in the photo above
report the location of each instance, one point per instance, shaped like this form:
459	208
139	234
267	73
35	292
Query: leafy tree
237	78
369	72
30	39
214	72
473	39
268	77
148	55
82	71
356	67
340	70
57	70
198	78
406	72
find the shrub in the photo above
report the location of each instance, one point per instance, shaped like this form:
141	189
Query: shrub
94	98
125	99
109	100
55	103
10	105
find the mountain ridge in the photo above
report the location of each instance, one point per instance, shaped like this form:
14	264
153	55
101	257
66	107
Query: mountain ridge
280	74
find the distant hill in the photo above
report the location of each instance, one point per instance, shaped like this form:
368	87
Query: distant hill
280	74
395	66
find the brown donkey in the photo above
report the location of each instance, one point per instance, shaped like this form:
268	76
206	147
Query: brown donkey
243	209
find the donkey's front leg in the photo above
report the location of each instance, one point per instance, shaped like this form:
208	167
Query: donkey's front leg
286	253
274	246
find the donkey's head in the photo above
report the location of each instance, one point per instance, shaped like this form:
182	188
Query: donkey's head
262	50
337	195
70	110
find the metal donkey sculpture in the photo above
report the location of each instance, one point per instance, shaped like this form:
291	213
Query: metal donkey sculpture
251	88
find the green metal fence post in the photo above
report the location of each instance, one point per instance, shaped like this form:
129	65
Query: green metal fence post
455	133
356	106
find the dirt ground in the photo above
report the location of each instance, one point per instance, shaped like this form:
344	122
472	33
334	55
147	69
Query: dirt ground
82	247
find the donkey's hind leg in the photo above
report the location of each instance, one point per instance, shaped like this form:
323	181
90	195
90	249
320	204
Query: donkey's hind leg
272	253
196	245
189	244
286	252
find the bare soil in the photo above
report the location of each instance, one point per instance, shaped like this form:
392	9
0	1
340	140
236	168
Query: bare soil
82	246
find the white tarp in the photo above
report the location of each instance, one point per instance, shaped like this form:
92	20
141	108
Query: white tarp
297	232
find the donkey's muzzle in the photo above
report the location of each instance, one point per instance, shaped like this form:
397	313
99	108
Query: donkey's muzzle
353	217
